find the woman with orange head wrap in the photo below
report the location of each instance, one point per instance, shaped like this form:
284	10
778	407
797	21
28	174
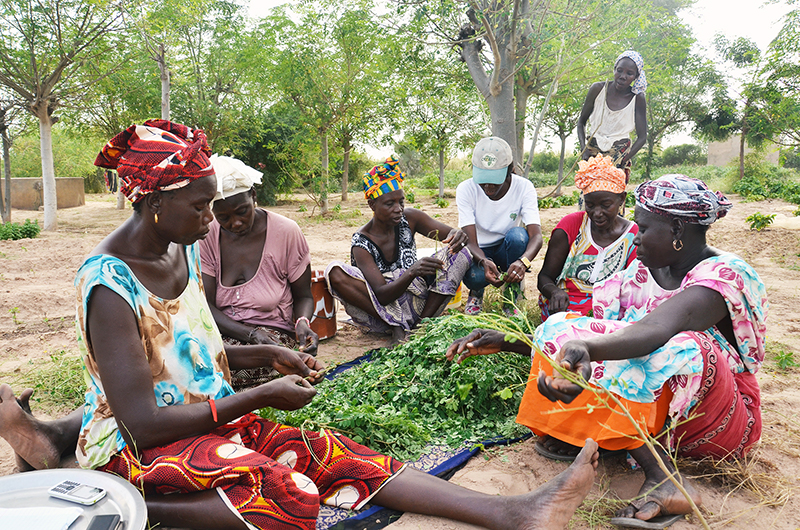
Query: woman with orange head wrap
589	246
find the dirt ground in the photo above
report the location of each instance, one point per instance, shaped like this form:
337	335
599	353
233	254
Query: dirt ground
37	308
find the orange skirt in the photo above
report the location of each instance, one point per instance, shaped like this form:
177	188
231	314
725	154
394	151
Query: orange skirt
587	417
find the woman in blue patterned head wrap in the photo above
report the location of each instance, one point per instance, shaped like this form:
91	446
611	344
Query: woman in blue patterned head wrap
614	109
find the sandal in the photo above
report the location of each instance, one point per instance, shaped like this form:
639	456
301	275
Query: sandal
474	306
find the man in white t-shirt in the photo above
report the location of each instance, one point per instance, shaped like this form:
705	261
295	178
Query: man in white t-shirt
499	212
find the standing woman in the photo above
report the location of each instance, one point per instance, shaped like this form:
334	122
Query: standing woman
256	271
614	109
385	287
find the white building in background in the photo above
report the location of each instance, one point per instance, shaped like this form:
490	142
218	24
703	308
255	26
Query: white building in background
722	153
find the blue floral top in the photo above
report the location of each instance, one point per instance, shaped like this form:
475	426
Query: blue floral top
179	337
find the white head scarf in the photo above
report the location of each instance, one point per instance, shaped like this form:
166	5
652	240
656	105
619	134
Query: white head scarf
640	85
233	176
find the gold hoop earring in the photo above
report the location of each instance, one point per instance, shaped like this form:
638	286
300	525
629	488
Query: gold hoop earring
675	245
156	217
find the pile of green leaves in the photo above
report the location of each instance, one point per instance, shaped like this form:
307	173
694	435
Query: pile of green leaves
410	396
15	231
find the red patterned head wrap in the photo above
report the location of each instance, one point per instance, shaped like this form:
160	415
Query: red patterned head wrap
157	156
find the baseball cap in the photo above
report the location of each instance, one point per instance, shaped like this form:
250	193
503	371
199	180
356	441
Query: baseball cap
490	160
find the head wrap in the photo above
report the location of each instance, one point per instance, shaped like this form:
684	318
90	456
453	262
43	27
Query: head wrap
684	198
233	176
599	174
157	156
383	178
640	85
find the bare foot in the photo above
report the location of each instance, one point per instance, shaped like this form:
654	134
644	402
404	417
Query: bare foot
29	438
551	506
659	496
398	335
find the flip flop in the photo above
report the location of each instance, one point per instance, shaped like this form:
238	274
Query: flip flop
552	455
656	523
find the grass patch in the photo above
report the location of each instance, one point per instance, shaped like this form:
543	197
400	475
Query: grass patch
57	381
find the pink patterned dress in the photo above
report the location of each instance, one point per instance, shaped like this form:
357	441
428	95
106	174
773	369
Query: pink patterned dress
697	375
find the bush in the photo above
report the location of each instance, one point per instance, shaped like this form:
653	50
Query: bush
684	154
759	221
546	162
14	231
766	181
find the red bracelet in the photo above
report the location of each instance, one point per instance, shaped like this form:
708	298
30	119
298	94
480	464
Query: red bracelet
213	410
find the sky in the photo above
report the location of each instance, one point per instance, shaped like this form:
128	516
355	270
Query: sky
753	19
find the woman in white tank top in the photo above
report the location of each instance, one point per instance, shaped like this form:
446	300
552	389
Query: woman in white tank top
614	109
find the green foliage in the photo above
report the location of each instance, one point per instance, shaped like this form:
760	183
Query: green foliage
14	231
441	202
684	154
785	359
73	156
541	180
545	162
411	395
767	181
562	200
272	143
759	221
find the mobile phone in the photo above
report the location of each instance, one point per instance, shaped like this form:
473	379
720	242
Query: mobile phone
77	492
105	522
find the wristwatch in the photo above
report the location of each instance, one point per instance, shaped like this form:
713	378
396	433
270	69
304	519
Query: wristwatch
525	261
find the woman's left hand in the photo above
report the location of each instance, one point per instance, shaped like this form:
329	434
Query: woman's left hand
288	361
456	240
308	340
516	272
574	357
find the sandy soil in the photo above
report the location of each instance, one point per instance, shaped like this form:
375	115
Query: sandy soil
37	320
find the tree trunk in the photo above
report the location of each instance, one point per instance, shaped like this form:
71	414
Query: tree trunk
441	172
501	108
557	192
741	154
120	200
520	118
49	197
345	166
648	165
5	207
324	184
539	121
162	67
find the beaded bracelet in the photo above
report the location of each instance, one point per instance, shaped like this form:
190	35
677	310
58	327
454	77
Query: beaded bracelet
305	319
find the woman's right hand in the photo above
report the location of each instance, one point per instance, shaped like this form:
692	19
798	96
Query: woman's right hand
479	342
573	357
290	392
425	266
260	336
491	273
558	301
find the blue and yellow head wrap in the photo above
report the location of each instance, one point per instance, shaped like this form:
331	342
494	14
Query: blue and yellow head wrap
383	178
